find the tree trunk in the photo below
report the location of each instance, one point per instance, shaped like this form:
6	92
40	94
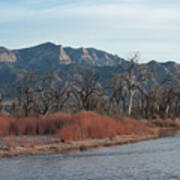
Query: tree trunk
131	94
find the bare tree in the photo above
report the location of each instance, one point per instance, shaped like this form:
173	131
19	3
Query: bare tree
23	102
86	90
51	97
134	78
119	93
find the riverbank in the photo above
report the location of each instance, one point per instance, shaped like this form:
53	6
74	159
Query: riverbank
54	145
30	149
63	133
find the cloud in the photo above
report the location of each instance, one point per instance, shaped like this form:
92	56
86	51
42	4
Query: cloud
129	16
117	25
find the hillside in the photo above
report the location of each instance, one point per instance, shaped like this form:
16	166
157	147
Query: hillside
63	61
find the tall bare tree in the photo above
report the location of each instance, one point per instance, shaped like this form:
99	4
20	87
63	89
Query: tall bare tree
86	90
134	78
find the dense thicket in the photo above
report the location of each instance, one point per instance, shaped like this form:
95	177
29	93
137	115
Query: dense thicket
82	125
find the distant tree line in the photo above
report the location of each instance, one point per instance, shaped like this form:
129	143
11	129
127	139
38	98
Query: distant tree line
125	94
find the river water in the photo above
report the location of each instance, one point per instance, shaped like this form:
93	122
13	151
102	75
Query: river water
151	160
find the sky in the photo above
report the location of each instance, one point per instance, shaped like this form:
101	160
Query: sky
120	27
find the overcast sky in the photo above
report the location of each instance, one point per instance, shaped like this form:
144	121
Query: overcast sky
151	27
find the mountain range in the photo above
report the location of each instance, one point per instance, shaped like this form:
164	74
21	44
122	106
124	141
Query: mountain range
49	57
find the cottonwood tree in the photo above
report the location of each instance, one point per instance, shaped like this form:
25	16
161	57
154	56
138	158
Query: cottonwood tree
86	90
134	77
51	96
23	102
169	102
118	93
39	95
159	100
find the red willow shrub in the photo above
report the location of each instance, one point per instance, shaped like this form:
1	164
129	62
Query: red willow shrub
44	125
131	126
85	125
82	125
5	122
52	123
24	126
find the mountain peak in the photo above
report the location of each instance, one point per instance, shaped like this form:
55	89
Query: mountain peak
47	44
153	62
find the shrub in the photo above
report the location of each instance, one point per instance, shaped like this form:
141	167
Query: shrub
83	125
33	126
5	122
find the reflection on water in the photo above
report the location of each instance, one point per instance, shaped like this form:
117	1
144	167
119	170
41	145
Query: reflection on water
151	160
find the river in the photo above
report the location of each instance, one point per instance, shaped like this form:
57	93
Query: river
151	160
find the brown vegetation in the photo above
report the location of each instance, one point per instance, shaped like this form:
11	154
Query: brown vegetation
82	125
44	125
62	133
5	123
85	125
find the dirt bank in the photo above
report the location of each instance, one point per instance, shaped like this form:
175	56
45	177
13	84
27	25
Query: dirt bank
61	133
65	147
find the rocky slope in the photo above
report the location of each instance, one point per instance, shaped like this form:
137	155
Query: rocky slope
49	57
54	55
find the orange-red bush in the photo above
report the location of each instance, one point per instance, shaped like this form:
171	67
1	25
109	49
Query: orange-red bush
33	126
5	122
85	125
82	125
131	126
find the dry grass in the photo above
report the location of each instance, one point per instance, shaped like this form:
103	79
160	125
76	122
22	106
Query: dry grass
170	123
9	142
